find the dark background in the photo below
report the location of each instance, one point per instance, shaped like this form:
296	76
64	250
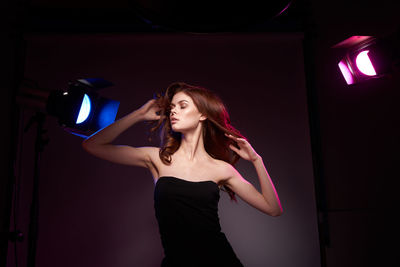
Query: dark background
351	133
102	214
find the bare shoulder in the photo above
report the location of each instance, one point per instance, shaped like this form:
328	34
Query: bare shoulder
225	169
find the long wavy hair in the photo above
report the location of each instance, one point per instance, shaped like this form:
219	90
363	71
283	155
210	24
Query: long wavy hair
214	127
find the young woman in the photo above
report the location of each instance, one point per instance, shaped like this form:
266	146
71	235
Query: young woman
193	163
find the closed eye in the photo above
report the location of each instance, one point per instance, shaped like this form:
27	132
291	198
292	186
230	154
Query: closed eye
182	107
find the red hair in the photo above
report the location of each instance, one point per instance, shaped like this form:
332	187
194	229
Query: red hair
214	127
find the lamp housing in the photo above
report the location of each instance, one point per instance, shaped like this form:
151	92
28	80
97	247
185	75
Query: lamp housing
80	109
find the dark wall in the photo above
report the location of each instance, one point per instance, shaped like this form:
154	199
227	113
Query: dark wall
359	131
96	213
359	136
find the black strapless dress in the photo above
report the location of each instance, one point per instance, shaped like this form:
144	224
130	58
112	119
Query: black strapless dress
187	215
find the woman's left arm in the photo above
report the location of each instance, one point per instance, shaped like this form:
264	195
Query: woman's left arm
267	202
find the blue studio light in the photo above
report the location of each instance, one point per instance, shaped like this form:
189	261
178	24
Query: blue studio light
80	109
107	114
85	109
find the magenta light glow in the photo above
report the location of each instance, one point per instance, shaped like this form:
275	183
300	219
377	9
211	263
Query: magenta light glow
346	72
364	64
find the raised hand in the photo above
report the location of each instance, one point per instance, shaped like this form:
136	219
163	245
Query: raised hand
245	150
148	110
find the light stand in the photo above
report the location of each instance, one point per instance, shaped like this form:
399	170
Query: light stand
40	143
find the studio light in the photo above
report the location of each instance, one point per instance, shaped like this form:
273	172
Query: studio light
80	109
366	57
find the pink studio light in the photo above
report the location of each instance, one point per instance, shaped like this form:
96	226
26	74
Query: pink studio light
364	64
346	72
356	65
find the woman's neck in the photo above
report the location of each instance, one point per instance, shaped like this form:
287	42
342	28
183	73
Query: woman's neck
192	146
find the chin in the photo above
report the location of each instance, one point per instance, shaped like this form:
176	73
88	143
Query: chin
175	129
181	130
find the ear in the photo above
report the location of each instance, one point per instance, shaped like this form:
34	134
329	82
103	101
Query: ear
203	118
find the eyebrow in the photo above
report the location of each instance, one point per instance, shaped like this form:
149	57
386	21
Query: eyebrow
179	102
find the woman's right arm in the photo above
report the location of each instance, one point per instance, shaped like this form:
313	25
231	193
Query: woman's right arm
99	143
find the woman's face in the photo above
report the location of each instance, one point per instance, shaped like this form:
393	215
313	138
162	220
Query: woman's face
185	112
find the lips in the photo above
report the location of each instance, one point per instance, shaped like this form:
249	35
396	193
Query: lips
174	120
